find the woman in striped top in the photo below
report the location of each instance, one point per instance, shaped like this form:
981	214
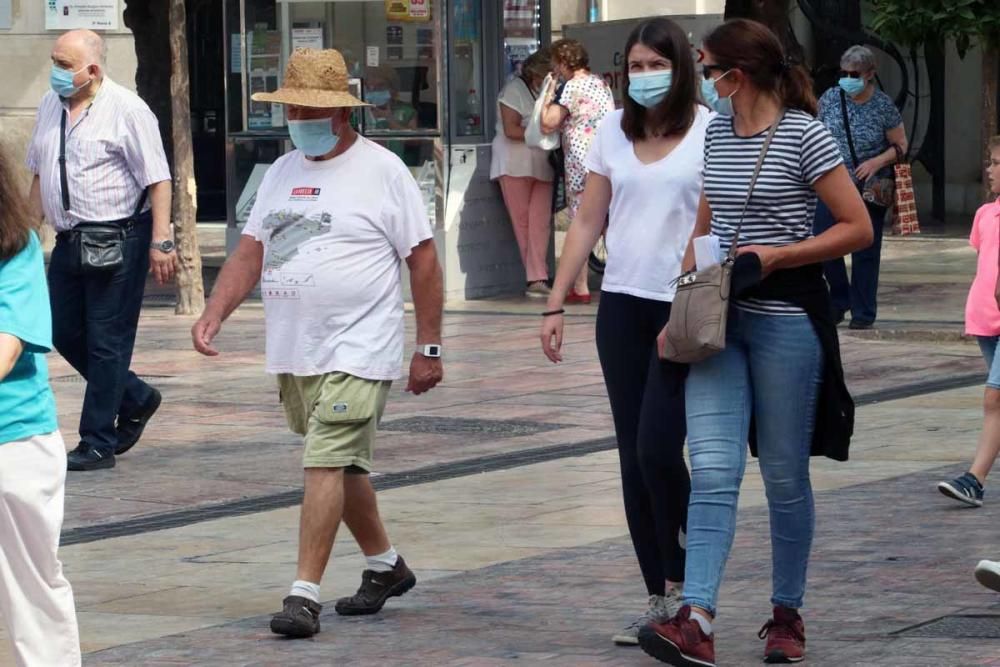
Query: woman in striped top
780	371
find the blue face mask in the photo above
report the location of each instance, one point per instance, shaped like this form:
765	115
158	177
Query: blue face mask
852	86
723	105
378	97
313	137
61	81
649	88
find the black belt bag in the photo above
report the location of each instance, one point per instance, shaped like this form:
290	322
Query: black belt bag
101	246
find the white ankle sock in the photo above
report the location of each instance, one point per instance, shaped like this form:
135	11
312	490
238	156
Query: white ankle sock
305	589
706	625
382	562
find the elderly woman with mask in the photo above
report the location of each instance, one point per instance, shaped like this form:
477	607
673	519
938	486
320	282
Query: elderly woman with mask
869	131
523	171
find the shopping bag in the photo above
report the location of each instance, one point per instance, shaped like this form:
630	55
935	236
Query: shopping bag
904	210
533	135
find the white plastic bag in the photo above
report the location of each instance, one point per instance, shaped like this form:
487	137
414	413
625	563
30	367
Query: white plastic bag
533	135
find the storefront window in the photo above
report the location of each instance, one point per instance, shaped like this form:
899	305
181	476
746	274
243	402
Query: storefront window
521	33
467	69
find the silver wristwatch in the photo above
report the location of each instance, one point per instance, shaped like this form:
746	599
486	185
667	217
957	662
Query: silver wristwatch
166	246
432	351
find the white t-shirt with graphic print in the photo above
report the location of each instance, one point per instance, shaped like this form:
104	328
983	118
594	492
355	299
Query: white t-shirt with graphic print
334	234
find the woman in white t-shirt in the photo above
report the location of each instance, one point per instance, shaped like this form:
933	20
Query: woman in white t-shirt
645	173
523	171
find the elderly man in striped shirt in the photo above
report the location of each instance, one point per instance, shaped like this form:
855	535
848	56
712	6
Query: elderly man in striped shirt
97	158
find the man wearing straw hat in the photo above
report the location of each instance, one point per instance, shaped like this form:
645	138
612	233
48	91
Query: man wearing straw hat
331	223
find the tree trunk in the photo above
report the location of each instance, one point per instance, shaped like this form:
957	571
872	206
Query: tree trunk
991	82
775	15
190	286
149	20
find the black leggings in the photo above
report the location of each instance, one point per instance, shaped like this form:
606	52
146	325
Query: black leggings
647	403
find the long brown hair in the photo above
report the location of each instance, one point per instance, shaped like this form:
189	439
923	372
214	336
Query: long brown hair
756	51
675	113
16	219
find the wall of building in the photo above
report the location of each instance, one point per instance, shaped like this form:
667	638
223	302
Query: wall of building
26	48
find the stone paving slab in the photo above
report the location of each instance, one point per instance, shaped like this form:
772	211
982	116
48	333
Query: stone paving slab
221	436
887	558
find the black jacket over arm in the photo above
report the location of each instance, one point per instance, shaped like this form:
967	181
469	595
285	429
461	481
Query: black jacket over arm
806	288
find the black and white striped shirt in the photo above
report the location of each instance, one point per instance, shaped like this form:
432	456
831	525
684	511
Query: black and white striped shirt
783	204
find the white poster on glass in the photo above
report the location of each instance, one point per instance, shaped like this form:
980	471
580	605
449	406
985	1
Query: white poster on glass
73	14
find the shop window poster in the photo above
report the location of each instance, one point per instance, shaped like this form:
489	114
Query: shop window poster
408	10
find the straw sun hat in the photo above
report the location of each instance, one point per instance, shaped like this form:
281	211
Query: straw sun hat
314	78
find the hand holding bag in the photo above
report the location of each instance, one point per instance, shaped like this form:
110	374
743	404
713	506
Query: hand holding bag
700	311
533	135
876	190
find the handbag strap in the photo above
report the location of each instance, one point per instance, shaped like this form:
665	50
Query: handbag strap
63	180
847	127
753	182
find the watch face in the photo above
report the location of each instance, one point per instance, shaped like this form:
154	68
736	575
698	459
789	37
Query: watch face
432	350
166	246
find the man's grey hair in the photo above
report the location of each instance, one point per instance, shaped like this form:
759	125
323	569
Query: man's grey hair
859	58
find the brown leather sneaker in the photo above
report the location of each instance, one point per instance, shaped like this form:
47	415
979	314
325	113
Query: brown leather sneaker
299	617
786	637
679	641
376	588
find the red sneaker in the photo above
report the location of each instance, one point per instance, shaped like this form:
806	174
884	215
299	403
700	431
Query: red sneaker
576	297
786	637
679	641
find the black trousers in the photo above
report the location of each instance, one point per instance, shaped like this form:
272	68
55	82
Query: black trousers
647	404
94	320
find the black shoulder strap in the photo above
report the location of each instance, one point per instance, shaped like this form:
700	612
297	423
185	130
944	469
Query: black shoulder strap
142	202
63	180
847	127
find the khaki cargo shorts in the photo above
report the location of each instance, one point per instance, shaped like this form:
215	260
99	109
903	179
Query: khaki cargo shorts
337	414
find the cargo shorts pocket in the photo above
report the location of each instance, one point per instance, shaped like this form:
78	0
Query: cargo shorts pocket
345	399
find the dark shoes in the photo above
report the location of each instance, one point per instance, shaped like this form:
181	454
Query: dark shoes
965	489
299	617
786	637
376	588
859	325
86	458
130	428
679	641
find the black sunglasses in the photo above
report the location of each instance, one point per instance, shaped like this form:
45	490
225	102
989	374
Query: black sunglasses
850	74
706	70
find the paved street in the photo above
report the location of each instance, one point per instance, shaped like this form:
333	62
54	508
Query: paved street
501	490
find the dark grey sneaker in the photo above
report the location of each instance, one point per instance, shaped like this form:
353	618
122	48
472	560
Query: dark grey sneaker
376	588
965	489
661	609
298	618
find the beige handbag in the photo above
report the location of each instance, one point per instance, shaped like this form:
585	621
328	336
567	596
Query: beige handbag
698	316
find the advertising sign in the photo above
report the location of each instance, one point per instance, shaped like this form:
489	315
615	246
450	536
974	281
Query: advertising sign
408	10
73	14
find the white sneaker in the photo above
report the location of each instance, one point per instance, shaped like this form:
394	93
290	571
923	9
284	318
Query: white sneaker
661	608
988	574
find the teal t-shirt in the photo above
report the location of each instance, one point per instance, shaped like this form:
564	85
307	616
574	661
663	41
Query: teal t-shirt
27	406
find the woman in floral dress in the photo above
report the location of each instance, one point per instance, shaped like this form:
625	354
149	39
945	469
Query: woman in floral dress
575	109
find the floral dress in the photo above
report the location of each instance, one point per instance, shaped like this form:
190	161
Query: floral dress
588	99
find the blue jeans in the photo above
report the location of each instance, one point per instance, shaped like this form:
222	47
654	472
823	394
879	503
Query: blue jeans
94	320
771	370
860	294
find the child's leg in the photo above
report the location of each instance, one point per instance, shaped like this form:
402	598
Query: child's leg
989	438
